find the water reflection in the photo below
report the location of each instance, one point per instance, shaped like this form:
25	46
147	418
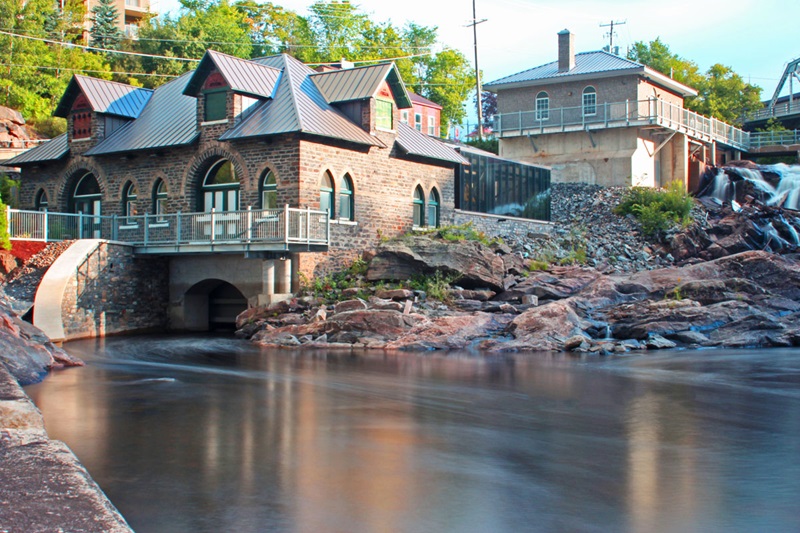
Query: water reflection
205	434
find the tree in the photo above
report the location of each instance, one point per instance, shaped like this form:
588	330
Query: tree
105	32
722	93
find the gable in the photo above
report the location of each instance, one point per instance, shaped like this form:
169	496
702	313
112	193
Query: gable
102	96
240	75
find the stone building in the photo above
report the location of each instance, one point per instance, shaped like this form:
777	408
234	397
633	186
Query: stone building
595	117
234	135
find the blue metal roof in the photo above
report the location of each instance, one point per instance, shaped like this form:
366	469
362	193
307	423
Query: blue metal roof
243	76
104	96
169	119
298	106
52	150
362	82
585	63
416	143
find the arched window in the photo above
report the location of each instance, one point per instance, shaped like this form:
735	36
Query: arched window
346	211
542	106
433	208
326	195
220	190
41	200
129	195
419	207
159	198
86	196
269	190
589	101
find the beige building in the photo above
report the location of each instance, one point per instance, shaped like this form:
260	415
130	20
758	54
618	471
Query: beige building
131	13
595	117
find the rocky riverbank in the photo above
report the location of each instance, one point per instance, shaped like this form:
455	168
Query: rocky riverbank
595	284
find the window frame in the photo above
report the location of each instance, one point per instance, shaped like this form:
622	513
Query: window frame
418	121
219	192
589	109
206	107
431	125
384	115
418	202
268	189
160	195
432	208
542	106
38	203
130	193
346	199
327	191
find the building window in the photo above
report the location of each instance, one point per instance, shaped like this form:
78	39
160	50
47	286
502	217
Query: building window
589	101
269	190
160	199
433	208
419	207
404	116
41	200
87	196
129	195
216	107
418	121
384	114
326	195
431	125
220	189
542	106
346	211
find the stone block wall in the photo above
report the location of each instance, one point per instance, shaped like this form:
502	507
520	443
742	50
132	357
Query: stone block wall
502	226
116	292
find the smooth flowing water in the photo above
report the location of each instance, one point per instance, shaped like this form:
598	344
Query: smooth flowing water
209	435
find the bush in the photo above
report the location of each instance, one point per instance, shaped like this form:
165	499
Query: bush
5	241
658	210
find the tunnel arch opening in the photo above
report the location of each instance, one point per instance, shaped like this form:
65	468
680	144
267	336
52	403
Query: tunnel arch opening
212	305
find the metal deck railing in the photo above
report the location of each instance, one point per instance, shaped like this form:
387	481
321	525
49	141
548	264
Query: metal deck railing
653	111
779	110
761	139
283	227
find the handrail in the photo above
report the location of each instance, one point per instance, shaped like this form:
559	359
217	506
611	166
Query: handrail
621	114
288	225
760	139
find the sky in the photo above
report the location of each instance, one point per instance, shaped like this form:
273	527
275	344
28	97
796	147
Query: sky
756	38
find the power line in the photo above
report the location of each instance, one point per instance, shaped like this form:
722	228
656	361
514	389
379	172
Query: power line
42	67
610	33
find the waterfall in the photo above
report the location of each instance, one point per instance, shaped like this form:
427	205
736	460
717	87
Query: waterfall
775	185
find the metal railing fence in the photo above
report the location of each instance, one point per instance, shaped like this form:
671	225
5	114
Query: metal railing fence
759	139
620	114
288	225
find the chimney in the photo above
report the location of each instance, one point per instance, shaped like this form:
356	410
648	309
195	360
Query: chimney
566	51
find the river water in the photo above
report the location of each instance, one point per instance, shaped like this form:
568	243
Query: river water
204	434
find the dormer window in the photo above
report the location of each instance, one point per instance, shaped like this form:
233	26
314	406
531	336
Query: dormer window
384	114
216	105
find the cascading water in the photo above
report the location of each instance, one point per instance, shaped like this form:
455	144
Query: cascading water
767	196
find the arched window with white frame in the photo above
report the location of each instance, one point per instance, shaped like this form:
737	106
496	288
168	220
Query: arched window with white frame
589	101
542	106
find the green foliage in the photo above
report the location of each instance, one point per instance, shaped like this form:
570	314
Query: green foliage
6	184
49	126
722	93
104	32
5	241
773	124
490	145
457	233
657	210
436	287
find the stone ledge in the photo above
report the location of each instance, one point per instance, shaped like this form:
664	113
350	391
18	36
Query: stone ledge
43	486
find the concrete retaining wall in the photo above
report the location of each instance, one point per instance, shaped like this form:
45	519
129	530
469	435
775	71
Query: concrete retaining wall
501	226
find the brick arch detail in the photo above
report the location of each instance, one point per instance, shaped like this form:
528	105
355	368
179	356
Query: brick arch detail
77	169
203	161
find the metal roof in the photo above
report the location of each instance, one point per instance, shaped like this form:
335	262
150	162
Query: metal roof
169	119
416	143
587	65
297	106
104	96
52	150
417	99
362	82
243	76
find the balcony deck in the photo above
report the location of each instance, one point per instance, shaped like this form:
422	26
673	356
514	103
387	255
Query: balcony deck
250	231
652	112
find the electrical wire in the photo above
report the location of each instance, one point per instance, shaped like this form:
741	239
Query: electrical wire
42	67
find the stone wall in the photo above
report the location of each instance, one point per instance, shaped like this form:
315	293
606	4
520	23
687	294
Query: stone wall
116	292
502	226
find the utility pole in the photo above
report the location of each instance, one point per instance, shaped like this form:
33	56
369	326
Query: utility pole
474	25
610	33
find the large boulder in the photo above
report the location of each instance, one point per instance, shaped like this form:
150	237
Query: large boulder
450	332
476	265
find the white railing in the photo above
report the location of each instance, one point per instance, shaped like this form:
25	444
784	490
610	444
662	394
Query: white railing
287	226
620	114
